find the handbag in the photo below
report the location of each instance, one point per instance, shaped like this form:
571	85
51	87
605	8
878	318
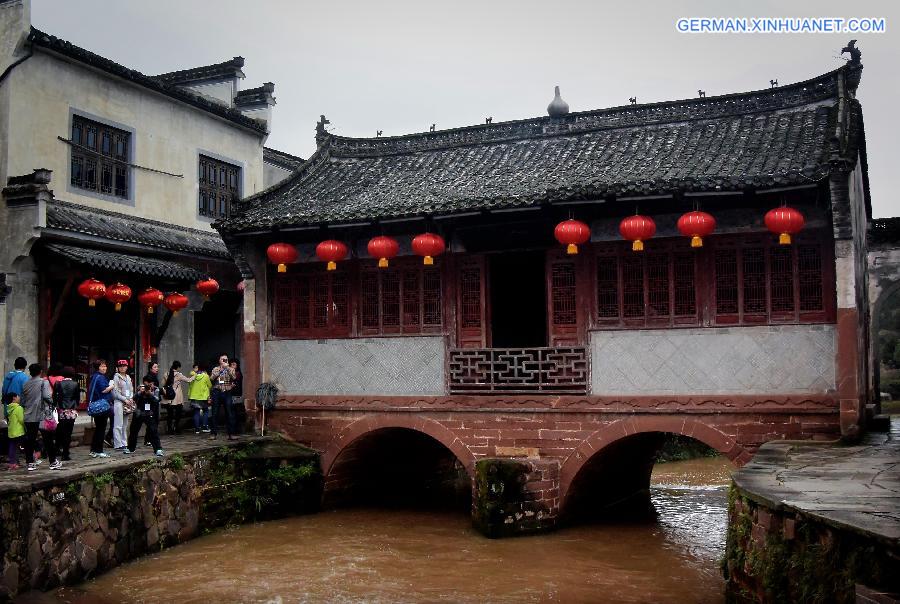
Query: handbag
128	406
50	421
99	406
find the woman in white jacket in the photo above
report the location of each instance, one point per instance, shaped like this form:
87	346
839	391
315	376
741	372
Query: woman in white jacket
123	405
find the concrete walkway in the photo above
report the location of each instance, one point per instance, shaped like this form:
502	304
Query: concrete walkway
851	487
21	481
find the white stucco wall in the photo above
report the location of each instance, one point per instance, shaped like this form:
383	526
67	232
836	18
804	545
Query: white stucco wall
784	359
45	90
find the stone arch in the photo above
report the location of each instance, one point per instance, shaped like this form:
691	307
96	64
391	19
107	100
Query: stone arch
370	423
624	428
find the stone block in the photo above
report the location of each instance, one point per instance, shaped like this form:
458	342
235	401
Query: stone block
789	530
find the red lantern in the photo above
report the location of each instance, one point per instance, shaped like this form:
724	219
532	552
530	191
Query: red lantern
383	248
637	229
208	287
784	221
571	233
282	254
118	294
175	302
332	252
92	289
150	297
696	225
428	245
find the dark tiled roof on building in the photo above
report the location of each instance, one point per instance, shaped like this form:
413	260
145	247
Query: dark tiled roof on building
226	69
885	231
69	50
282	159
764	139
116	261
255	96
113	226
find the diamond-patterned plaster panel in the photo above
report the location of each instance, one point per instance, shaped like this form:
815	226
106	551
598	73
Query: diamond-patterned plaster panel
736	360
385	366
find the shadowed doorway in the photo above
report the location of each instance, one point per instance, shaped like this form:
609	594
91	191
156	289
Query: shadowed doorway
518	300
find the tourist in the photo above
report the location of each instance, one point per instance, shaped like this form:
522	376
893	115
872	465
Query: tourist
66	395
15	379
153	373
123	405
54	374
222	378
146	413
100	388
16	428
237	395
174	397
36	396
198	395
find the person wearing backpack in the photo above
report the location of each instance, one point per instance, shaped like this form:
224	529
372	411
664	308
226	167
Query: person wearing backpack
99	405
14	380
66	395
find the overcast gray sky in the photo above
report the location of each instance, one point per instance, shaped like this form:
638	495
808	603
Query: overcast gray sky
399	66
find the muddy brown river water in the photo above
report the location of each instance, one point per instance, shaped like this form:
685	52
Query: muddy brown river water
381	556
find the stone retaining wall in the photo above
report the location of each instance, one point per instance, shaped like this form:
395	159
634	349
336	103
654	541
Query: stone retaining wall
780	555
62	531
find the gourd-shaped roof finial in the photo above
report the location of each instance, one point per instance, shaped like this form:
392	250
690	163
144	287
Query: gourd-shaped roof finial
557	107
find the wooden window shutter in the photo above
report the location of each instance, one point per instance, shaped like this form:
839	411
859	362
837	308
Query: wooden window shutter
471	297
562	293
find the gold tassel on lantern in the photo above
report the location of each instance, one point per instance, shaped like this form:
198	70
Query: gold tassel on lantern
784	239
696	241
571	249
428	260
637	246
118	306
282	268
332	265
92	302
382	263
149	310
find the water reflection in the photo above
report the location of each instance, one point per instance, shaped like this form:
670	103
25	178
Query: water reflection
370	555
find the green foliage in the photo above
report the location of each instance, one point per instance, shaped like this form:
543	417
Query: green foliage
101	480
676	447
176	462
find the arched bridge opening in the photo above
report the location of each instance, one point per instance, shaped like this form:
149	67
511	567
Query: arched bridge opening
397	467
614	482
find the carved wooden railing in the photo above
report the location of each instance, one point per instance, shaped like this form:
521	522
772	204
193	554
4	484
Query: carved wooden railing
562	370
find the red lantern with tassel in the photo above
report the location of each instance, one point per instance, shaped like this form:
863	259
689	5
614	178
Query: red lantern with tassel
428	245
696	225
637	229
208	287
282	254
784	222
149	298
93	290
175	302
118	294
332	252
383	248
572	233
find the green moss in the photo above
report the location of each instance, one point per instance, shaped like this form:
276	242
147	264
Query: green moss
176	462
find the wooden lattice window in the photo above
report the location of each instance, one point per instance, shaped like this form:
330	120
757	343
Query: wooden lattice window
652	289
219	187
562	279
313	303
99	158
403	298
758	281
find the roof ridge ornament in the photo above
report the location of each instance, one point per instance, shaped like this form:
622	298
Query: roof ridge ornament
557	107
321	132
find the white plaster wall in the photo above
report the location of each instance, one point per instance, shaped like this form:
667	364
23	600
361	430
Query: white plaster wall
168	136
357	366
785	359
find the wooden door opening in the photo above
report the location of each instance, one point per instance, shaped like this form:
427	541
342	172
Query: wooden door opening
518	316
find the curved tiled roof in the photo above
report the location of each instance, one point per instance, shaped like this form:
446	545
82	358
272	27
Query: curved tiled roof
230	68
764	139
114	226
282	159
65	48
116	261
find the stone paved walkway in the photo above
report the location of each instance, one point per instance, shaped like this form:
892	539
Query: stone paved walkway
854	487
22	481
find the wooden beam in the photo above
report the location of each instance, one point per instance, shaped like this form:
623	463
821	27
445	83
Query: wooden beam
57	310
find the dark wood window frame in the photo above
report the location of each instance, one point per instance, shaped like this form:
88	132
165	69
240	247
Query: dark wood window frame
736	280
405	298
311	303
99	158
219	185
